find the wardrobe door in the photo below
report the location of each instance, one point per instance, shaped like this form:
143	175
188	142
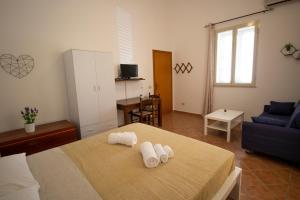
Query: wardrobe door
86	87
106	87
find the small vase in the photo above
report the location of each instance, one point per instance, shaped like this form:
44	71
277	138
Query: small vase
29	128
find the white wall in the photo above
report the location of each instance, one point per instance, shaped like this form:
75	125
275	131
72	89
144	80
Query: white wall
277	76
45	29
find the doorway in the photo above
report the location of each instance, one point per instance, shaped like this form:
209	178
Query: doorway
162	79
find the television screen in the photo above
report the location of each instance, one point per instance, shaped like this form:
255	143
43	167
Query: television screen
129	70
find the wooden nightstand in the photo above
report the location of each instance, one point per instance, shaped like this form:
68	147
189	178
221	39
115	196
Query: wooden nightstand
45	137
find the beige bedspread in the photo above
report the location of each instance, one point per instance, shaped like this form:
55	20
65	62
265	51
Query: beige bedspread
118	172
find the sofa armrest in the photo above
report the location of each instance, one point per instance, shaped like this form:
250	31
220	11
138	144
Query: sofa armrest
266	108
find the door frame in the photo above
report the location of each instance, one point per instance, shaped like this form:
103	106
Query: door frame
153	60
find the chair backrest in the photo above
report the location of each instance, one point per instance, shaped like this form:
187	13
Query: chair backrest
153	101
144	103
141	104
156	103
154	95
156	98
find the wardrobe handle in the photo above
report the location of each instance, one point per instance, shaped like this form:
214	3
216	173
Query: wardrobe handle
95	89
99	88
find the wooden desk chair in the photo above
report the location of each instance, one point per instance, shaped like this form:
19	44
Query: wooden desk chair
142	114
154	108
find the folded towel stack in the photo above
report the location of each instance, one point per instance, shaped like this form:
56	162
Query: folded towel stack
149	156
154	154
126	138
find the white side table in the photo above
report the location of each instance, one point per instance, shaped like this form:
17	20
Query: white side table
223	121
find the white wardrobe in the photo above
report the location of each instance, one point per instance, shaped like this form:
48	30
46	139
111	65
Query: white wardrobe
91	90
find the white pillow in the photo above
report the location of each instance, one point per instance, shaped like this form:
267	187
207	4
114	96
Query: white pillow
16	180
30	193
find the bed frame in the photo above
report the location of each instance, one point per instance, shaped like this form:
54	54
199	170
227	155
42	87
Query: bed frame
231	187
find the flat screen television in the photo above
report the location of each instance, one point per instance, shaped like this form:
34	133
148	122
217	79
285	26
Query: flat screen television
129	71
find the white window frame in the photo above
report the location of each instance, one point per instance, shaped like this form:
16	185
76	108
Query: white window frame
234	40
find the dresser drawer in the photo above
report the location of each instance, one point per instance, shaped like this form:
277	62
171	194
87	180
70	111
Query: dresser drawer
38	144
55	140
28	147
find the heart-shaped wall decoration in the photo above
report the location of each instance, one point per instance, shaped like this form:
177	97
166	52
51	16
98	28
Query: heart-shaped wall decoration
17	67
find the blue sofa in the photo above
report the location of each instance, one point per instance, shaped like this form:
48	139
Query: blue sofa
276	134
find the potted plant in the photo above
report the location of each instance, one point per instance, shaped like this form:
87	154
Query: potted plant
29	115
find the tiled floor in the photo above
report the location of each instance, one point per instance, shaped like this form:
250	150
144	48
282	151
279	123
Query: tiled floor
263	177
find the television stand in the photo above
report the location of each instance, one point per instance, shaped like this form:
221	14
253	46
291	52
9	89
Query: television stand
130	79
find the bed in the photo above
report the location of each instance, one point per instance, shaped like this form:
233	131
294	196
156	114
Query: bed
92	169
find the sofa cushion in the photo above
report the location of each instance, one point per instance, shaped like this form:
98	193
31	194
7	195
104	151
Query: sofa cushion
285	118
269	121
292	123
281	108
266	108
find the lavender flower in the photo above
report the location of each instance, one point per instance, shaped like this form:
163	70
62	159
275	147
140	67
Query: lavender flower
29	115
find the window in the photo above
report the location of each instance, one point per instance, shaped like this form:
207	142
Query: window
235	56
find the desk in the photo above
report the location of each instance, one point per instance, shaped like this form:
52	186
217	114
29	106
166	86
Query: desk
130	104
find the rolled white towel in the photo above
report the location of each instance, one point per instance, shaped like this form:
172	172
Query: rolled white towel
126	138
169	151
129	138
113	138
161	153
149	156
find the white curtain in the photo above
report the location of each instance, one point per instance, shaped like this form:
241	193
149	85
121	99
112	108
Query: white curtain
209	82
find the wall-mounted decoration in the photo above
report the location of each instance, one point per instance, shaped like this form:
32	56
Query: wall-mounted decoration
290	50
183	68
296	55
17	67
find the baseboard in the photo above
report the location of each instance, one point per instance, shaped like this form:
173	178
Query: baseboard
195	114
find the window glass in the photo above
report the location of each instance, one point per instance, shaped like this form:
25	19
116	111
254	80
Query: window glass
244	54
224	57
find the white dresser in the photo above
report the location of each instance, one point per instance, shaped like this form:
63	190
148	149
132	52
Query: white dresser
91	90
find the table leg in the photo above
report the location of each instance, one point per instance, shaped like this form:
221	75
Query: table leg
205	125
228	131
159	114
242	120
126	116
